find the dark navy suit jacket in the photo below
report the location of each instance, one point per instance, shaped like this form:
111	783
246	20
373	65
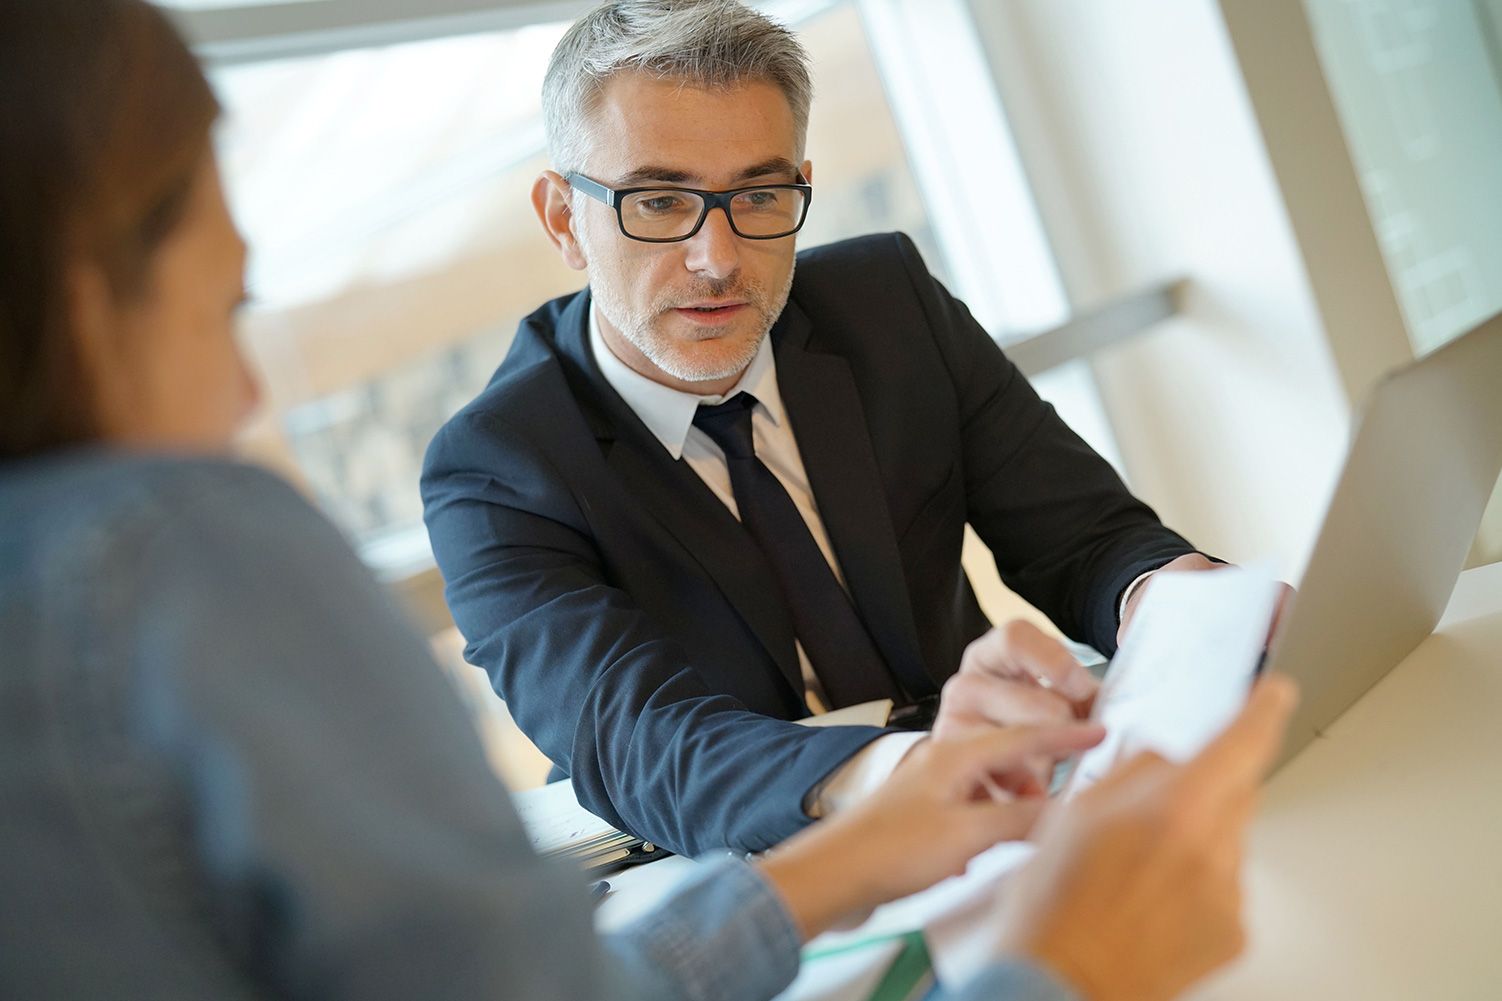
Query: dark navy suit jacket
629	620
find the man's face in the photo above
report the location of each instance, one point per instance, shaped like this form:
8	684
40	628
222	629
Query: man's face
694	311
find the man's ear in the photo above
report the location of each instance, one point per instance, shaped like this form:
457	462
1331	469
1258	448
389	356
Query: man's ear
808	171
552	198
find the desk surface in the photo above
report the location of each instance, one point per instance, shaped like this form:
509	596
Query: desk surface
1375	865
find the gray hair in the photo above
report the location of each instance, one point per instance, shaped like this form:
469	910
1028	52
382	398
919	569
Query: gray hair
709	43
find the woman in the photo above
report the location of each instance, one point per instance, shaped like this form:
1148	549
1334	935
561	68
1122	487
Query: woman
226	770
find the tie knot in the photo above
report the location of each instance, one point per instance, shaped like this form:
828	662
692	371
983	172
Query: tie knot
728	425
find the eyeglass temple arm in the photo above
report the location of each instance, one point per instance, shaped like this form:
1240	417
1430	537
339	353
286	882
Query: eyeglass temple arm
593	189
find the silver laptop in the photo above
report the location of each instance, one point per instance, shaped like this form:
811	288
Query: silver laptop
1416	482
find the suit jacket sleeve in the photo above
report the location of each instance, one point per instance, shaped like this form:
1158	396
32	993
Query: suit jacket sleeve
1066	533
591	678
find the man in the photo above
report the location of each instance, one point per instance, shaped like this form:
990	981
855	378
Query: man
703	498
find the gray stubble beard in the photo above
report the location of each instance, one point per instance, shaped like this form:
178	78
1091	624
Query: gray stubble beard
638	330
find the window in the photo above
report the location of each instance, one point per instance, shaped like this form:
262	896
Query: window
384	192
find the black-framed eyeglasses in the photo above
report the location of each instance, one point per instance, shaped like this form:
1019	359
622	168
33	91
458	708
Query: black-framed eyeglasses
668	215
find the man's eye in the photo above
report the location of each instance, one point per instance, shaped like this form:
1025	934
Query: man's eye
661	204
760	199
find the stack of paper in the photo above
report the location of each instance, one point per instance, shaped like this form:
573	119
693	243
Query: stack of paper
558	826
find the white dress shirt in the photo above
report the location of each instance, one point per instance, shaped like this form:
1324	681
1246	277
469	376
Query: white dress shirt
669	414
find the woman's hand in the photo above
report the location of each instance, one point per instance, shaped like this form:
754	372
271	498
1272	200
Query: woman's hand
1135	892
947	802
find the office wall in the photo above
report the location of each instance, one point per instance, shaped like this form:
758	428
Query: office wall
1148	164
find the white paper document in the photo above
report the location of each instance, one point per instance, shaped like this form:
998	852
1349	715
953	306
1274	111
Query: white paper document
1185	669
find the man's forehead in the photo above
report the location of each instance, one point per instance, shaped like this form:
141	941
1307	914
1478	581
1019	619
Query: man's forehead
646	129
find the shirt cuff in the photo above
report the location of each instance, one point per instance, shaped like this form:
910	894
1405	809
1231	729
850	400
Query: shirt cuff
861	775
1131	589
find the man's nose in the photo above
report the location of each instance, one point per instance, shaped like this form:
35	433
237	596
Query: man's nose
714	251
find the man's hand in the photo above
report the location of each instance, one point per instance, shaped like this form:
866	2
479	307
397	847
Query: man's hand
1187	563
923	825
1015	674
1135	892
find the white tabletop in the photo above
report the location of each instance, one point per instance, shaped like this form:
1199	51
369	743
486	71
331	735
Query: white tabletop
1375	867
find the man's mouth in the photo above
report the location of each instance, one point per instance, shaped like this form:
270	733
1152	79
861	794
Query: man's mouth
701	312
713	307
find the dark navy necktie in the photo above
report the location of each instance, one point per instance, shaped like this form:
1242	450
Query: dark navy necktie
844	658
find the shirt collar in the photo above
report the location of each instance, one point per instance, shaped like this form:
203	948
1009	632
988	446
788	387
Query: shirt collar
669	413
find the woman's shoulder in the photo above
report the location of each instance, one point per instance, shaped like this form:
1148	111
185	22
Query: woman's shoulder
99	506
95	482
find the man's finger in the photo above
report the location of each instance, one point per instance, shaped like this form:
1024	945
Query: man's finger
1005	702
1021	649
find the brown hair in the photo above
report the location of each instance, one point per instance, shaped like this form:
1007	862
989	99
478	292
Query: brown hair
105	119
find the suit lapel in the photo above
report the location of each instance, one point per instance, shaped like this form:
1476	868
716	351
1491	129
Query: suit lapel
830	426
676	498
